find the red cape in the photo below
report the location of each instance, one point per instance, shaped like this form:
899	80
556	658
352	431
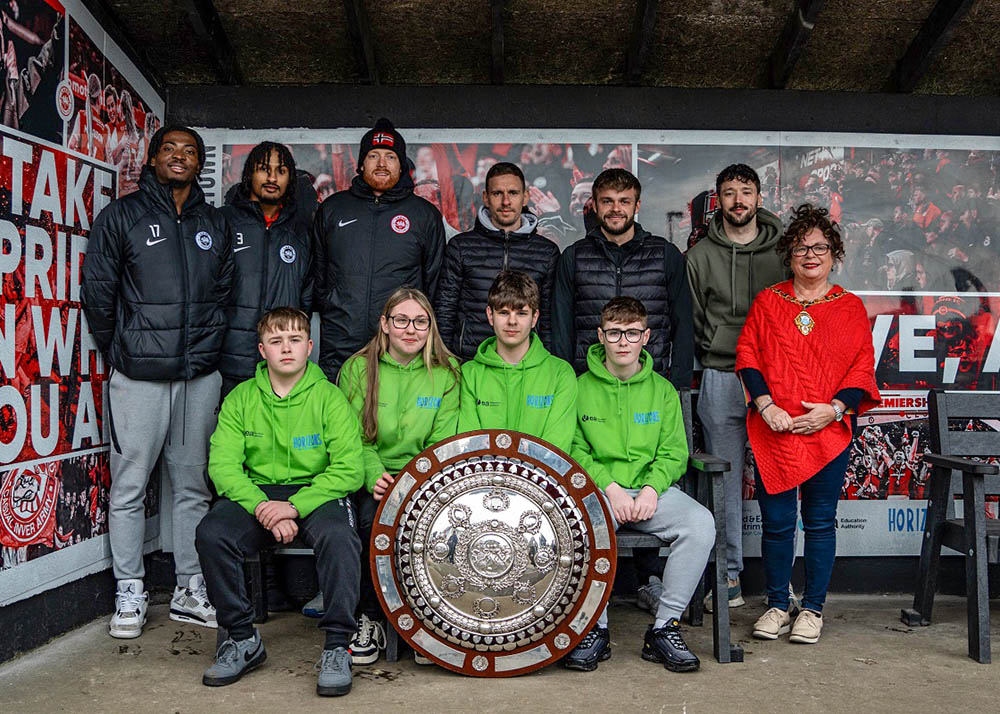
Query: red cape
835	355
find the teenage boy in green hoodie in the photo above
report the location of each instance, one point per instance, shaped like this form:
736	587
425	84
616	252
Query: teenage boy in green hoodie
284	457
630	438
514	382
727	268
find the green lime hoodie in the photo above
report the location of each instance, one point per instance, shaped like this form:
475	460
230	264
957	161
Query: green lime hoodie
536	396
310	437
415	410
629	432
725	277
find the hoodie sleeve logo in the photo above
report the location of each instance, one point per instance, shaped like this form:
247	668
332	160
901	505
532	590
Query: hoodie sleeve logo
287	254
400	224
203	239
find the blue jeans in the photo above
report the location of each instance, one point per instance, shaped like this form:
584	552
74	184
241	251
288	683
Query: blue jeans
778	512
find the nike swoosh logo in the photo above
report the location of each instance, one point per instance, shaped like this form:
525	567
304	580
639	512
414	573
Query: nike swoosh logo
237	250
154	242
247	656
341	224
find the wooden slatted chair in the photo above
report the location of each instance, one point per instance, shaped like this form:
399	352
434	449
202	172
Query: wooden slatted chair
974	535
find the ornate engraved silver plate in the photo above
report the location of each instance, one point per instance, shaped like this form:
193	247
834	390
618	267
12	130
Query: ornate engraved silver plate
493	554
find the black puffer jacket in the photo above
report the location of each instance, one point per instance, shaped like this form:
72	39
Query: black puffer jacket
272	270
472	261
593	270
364	247
156	285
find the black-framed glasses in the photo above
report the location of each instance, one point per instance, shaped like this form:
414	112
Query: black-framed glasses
800	251
401	322
614	335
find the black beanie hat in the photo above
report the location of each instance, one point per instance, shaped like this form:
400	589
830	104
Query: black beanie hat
383	136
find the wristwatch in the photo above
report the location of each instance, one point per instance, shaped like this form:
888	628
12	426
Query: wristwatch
838	412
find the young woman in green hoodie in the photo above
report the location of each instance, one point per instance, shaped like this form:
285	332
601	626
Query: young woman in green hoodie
404	385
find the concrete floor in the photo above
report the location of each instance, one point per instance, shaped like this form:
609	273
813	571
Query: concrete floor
867	662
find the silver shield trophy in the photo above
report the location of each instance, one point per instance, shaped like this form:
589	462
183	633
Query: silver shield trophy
493	553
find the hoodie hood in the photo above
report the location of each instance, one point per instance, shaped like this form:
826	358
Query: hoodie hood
487	354
769	230
402	189
597	354
484	225
313	374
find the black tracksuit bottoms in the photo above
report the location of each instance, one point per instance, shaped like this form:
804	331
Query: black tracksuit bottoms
228	534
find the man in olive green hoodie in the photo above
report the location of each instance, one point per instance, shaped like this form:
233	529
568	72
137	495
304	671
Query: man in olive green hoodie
514	382
284	457
726	269
630	439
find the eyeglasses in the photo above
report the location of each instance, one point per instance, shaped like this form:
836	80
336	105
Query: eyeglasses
800	251
401	322
614	335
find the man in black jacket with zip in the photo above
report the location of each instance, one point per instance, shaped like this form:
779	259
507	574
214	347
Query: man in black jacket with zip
504	238
619	257
369	240
271	253
157	281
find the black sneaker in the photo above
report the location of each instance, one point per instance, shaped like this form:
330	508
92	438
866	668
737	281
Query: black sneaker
593	648
665	644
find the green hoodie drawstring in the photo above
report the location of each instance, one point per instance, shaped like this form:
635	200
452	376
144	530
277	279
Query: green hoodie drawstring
628	422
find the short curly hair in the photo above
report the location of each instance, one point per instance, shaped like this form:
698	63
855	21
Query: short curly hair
807	217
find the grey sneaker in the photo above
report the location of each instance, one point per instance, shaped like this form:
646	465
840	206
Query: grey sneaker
234	659
334	673
648	595
314	608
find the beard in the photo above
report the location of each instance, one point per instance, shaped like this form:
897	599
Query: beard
617	231
740	222
380	183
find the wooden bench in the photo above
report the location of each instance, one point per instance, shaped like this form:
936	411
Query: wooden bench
974	535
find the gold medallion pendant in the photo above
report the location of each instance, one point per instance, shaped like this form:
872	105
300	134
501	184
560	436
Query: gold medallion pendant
804	322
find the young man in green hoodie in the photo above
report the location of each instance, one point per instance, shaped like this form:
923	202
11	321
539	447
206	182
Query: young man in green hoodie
284	457
726	269
513	382
630	438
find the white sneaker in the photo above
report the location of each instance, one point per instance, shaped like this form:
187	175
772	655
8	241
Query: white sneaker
420	659
131	602
191	604
367	641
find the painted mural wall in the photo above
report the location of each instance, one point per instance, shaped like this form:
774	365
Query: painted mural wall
75	116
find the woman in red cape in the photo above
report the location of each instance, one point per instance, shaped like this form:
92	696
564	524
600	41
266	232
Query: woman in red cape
805	357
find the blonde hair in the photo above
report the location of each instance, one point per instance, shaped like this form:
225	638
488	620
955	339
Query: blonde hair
434	354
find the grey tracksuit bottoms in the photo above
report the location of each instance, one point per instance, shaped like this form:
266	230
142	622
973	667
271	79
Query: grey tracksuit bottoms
150	419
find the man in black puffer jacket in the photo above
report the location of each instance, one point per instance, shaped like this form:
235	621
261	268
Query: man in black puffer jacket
504	238
617	258
368	241
157	282
271	252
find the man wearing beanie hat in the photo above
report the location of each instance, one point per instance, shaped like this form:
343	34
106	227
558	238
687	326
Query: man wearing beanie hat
369	240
